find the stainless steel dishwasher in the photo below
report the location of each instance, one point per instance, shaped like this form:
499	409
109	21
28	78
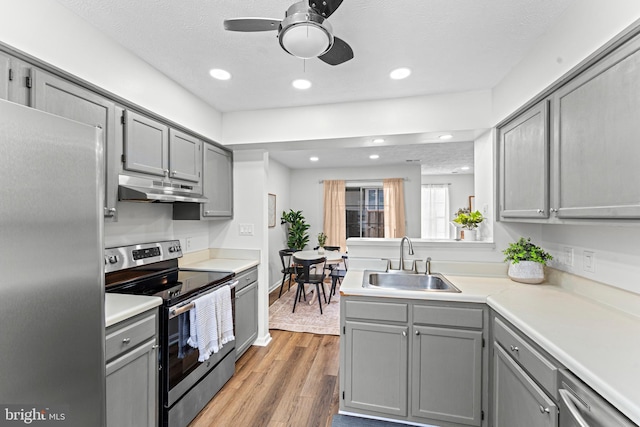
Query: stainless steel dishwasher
580	406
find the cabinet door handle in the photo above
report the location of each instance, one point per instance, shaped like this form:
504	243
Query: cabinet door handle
166	171
126	340
514	348
543	410
404	333
417	332
553	210
540	211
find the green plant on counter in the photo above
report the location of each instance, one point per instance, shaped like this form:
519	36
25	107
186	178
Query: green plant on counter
524	250
298	237
322	239
470	220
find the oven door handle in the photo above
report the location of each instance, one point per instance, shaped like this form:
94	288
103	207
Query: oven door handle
174	312
570	402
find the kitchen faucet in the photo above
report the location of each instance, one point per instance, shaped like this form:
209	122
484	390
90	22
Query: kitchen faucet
402	251
428	269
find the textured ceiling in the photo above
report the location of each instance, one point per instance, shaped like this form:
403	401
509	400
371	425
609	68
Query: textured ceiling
451	46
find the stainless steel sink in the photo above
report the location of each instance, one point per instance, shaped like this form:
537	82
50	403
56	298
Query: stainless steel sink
407	280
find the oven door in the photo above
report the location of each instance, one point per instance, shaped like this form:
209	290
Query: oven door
182	369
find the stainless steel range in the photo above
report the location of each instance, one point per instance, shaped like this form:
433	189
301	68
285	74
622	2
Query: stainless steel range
186	385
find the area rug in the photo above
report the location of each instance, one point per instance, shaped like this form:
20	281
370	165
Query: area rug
307	317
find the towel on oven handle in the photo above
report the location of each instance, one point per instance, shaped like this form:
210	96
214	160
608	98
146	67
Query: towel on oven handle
211	322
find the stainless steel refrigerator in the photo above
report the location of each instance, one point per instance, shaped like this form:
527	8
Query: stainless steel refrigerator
51	270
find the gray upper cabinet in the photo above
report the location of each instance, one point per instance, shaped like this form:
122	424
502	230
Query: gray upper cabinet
596	134
218	183
524	165
59	97
146	145
185	156
15	76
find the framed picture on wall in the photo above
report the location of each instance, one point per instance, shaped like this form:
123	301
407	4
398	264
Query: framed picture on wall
271	208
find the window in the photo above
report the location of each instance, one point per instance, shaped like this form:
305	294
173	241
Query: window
435	211
365	211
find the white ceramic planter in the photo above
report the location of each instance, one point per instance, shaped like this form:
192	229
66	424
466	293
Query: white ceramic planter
526	272
469	235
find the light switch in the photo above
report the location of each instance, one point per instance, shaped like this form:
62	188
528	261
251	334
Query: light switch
567	256
246	229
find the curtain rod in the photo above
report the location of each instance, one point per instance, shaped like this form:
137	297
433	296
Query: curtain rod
363	180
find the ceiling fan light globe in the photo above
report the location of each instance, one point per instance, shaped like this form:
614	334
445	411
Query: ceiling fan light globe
305	35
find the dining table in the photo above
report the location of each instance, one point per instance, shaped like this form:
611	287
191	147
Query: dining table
331	257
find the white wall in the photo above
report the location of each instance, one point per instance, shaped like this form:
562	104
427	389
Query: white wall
279	184
456	111
46	30
307	192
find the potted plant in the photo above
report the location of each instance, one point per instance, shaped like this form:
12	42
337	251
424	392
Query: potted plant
297	235
527	261
469	223
322	239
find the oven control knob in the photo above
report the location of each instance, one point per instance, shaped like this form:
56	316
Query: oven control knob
113	259
172	248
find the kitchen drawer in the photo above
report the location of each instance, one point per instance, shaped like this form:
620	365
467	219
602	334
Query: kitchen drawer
382	311
538	366
246	278
448	316
128	334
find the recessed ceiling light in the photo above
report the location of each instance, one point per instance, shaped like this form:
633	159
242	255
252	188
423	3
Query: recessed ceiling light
465	168
314	158
374	156
400	73
446	136
378	140
219	74
301	84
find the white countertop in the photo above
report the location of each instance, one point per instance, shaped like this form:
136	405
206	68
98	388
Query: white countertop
235	260
221	264
597	342
119	307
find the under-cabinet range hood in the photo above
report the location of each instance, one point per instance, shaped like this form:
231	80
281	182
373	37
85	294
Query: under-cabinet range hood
136	189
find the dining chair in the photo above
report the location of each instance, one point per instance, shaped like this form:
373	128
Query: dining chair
337	274
287	268
304	275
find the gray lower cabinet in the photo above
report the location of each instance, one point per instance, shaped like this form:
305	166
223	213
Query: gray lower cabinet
246	310
65	99
15	80
524	165
377	360
414	361
132	372
525	380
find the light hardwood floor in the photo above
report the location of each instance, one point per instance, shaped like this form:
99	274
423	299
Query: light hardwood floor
292	382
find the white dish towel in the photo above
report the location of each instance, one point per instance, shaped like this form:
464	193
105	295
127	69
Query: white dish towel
211	322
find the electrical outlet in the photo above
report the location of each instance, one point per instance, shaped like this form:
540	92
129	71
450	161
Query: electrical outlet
187	243
567	256
589	261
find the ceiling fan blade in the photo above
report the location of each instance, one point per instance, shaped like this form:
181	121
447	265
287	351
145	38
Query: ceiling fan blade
251	24
340	52
324	7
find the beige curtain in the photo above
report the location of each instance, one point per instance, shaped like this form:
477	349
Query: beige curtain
335	221
394	217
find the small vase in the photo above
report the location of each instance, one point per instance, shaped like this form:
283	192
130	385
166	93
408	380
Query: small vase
526	272
321	250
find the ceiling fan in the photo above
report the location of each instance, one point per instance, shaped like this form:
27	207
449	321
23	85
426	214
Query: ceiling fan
304	32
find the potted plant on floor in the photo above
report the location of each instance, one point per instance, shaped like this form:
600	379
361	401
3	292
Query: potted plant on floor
297	235
527	261
469	223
